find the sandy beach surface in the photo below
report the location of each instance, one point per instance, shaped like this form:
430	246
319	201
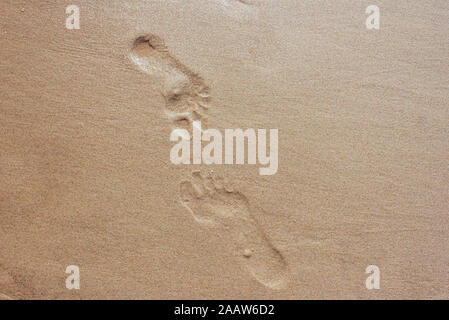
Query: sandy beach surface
86	177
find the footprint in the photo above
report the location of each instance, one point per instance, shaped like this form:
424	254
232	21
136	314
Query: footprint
243	11
186	95
237	2
209	199
6	280
247	2
213	203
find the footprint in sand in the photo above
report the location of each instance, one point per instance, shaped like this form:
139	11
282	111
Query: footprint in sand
186	95
212	203
238	3
240	10
247	2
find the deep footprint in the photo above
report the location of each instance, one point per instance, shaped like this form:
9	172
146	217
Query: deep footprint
186	95
212	203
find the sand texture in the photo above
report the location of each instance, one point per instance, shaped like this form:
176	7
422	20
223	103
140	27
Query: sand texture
86	177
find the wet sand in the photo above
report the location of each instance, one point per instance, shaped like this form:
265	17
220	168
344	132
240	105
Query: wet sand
85	171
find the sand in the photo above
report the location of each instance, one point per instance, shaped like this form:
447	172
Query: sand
85	171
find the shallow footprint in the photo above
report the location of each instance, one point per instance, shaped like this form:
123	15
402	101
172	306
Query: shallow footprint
212	203
185	93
